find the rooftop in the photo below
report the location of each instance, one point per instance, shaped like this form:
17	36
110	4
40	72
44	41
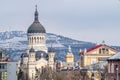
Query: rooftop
115	57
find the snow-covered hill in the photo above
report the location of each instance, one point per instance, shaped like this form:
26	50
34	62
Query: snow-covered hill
15	42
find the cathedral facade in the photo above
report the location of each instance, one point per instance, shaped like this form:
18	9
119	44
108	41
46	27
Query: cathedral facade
37	55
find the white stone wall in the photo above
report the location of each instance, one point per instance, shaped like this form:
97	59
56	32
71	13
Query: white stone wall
37	41
41	63
31	71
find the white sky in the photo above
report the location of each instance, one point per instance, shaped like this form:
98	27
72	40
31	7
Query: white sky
86	20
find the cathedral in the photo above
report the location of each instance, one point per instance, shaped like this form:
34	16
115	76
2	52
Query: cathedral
37	55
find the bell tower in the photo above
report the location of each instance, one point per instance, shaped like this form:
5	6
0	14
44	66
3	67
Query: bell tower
69	58
51	54
31	65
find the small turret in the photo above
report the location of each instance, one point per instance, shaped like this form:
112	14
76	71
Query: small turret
32	50
31	55
69	49
51	54
69	58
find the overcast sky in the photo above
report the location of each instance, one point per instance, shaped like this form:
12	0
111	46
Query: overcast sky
85	20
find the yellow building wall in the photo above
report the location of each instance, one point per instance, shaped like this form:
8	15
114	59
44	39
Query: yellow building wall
97	51
69	58
88	57
111	52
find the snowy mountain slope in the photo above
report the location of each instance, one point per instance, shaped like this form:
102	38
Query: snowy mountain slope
15	42
14	39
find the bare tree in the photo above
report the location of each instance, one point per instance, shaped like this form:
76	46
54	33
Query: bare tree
49	74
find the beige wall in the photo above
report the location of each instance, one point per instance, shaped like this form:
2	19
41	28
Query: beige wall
69	58
95	55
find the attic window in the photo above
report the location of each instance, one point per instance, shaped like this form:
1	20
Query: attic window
104	51
100	51
107	51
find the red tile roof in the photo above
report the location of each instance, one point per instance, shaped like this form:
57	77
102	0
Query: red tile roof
94	47
4	60
97	46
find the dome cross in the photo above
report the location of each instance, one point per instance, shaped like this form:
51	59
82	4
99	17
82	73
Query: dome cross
36	14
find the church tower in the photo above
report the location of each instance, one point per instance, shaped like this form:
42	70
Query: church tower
36	34
37	56
31	64
69	58
51	54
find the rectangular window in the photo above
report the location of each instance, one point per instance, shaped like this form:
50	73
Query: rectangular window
93	61
3	66
99	51
103	49
107	51
0	66
4	75
0	55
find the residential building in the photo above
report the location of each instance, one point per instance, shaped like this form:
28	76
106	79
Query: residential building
96	54
7	68
97	71
114	67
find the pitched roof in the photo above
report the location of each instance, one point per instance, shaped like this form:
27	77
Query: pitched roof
115	57
93	48
97	46
5	60
96	66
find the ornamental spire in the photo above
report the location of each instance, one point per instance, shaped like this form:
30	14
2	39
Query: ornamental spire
36	15
69	49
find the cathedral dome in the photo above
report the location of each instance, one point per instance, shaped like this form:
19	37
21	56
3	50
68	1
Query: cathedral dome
36	26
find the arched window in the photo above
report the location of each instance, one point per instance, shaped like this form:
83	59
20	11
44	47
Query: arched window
32	40
40	40
103	50
99	51
107	51
37	40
